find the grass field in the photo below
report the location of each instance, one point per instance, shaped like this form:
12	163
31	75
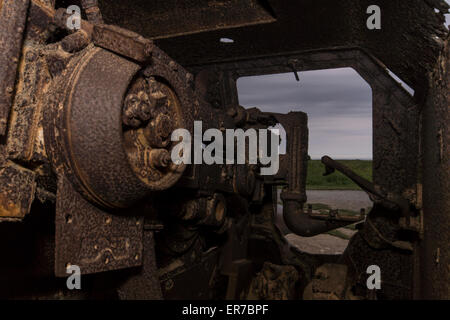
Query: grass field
336	181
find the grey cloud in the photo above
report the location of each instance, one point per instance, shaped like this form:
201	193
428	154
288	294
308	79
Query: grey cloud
316	93
338	103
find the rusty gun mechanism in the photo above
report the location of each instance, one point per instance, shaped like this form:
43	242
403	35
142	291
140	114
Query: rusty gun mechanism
86	118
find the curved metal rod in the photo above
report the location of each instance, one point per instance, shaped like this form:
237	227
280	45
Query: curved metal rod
364	184
393	201
302	224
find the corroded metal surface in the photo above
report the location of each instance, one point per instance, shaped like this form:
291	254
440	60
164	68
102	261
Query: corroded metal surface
433	261
194	16
396	264
124	42
306	26
89	139
143	284
25	140
274	282
395	112
89	114
13	14
17	191
92	239
179	278
329	283
89	127
92	11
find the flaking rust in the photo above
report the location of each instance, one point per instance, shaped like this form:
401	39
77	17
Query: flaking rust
87	177
92	239
13	14
18	188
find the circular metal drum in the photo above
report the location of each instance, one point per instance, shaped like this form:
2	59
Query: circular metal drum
108	130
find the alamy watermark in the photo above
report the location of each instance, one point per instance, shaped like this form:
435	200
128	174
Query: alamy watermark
374	20
374	280
74	20
74	280
234	150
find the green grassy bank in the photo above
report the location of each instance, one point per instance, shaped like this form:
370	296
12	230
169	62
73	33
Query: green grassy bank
336	181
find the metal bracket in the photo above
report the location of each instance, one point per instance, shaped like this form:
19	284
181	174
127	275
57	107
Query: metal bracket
93	239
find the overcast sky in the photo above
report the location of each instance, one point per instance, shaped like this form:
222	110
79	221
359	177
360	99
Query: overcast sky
338	103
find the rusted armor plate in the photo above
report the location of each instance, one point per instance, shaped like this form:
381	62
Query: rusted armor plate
93	239
13	16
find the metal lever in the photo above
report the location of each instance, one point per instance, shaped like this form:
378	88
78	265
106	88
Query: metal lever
332	165
390	201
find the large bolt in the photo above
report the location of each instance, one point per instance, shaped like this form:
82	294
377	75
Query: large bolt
158	99
216	210
130	111
144	111
160	158
137	109
164	128
75	42
158	131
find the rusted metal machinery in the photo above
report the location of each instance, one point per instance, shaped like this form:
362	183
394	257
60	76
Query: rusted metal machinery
86	176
